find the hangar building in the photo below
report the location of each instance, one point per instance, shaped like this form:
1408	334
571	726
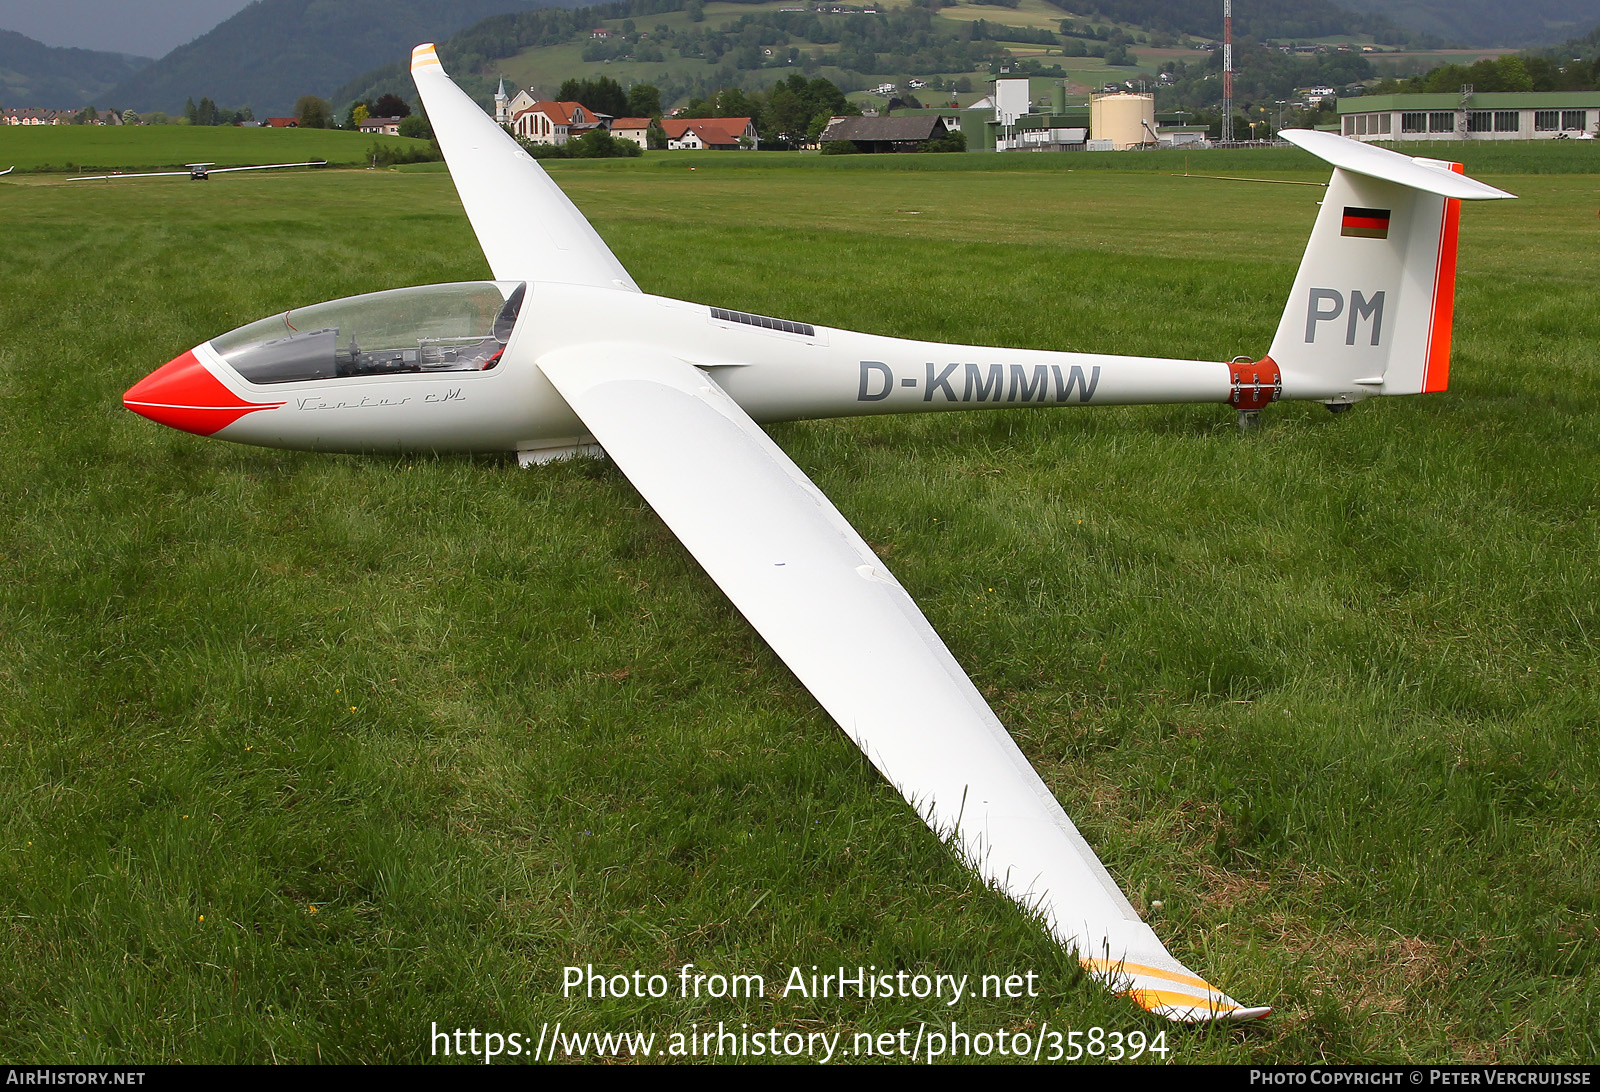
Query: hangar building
1502	115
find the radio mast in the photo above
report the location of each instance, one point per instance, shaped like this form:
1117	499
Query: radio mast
1227	71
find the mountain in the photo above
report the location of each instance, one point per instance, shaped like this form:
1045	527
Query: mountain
148	28
1488	22
274	51
34	74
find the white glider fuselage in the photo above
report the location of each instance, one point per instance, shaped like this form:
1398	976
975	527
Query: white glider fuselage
1369	314
776	370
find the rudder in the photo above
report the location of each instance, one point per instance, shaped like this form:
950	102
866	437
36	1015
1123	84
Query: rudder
1371	310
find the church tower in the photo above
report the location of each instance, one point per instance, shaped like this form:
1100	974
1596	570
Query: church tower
502	105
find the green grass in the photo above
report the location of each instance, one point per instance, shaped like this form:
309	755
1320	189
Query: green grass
150	147
1504	158
1028	13
304	753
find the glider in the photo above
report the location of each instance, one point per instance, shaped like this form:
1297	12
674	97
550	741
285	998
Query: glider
197	172
562	353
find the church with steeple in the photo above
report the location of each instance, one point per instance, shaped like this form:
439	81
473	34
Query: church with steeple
502	104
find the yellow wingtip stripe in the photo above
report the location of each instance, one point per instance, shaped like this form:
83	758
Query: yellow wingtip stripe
1106	966
424	55
1154	1000
1200	1014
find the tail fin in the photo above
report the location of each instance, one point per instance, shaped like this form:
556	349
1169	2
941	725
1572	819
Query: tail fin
1371	308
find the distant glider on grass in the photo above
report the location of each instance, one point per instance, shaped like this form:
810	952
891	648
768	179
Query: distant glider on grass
563	354
197	172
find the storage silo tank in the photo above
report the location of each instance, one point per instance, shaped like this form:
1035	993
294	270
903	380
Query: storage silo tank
1126	120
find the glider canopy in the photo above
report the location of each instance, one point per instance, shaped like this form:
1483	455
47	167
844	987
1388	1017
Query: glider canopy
434	328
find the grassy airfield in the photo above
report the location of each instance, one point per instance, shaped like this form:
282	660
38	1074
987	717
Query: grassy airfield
142	148
305	754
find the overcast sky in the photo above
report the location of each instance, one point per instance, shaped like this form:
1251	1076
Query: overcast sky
149	28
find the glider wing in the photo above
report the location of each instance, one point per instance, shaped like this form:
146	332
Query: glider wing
268	166
830	609
109	177
528	228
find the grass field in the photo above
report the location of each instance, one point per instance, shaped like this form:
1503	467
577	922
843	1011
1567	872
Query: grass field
304	754
152	147
1028	13
1580	157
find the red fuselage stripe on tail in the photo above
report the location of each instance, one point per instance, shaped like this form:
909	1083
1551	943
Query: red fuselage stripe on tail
1436	374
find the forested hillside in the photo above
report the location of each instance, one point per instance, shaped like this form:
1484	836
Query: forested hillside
34	74
687	53
274	51
1586	48
896	41
663	42
1569	69
1253	18
1487	22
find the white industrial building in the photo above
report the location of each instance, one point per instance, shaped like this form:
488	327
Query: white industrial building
1493	115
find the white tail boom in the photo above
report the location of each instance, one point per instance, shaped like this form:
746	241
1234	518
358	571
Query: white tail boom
1371	308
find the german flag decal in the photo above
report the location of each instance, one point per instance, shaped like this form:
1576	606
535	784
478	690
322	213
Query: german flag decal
1365	223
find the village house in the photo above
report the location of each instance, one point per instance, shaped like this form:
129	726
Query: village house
387	126
701	133
36	117
549	122
634	129
32	116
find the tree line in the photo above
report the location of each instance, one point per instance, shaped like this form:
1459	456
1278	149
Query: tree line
793	113
1512	72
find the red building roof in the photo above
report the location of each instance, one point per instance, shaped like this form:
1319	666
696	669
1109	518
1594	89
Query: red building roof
562	113
721	132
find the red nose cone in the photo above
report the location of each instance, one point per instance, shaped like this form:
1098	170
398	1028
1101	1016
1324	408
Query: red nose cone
185	395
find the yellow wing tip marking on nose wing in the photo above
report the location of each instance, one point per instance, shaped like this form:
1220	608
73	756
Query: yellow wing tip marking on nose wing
423	55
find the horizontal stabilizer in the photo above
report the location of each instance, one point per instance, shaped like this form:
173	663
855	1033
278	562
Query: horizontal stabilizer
1428	175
